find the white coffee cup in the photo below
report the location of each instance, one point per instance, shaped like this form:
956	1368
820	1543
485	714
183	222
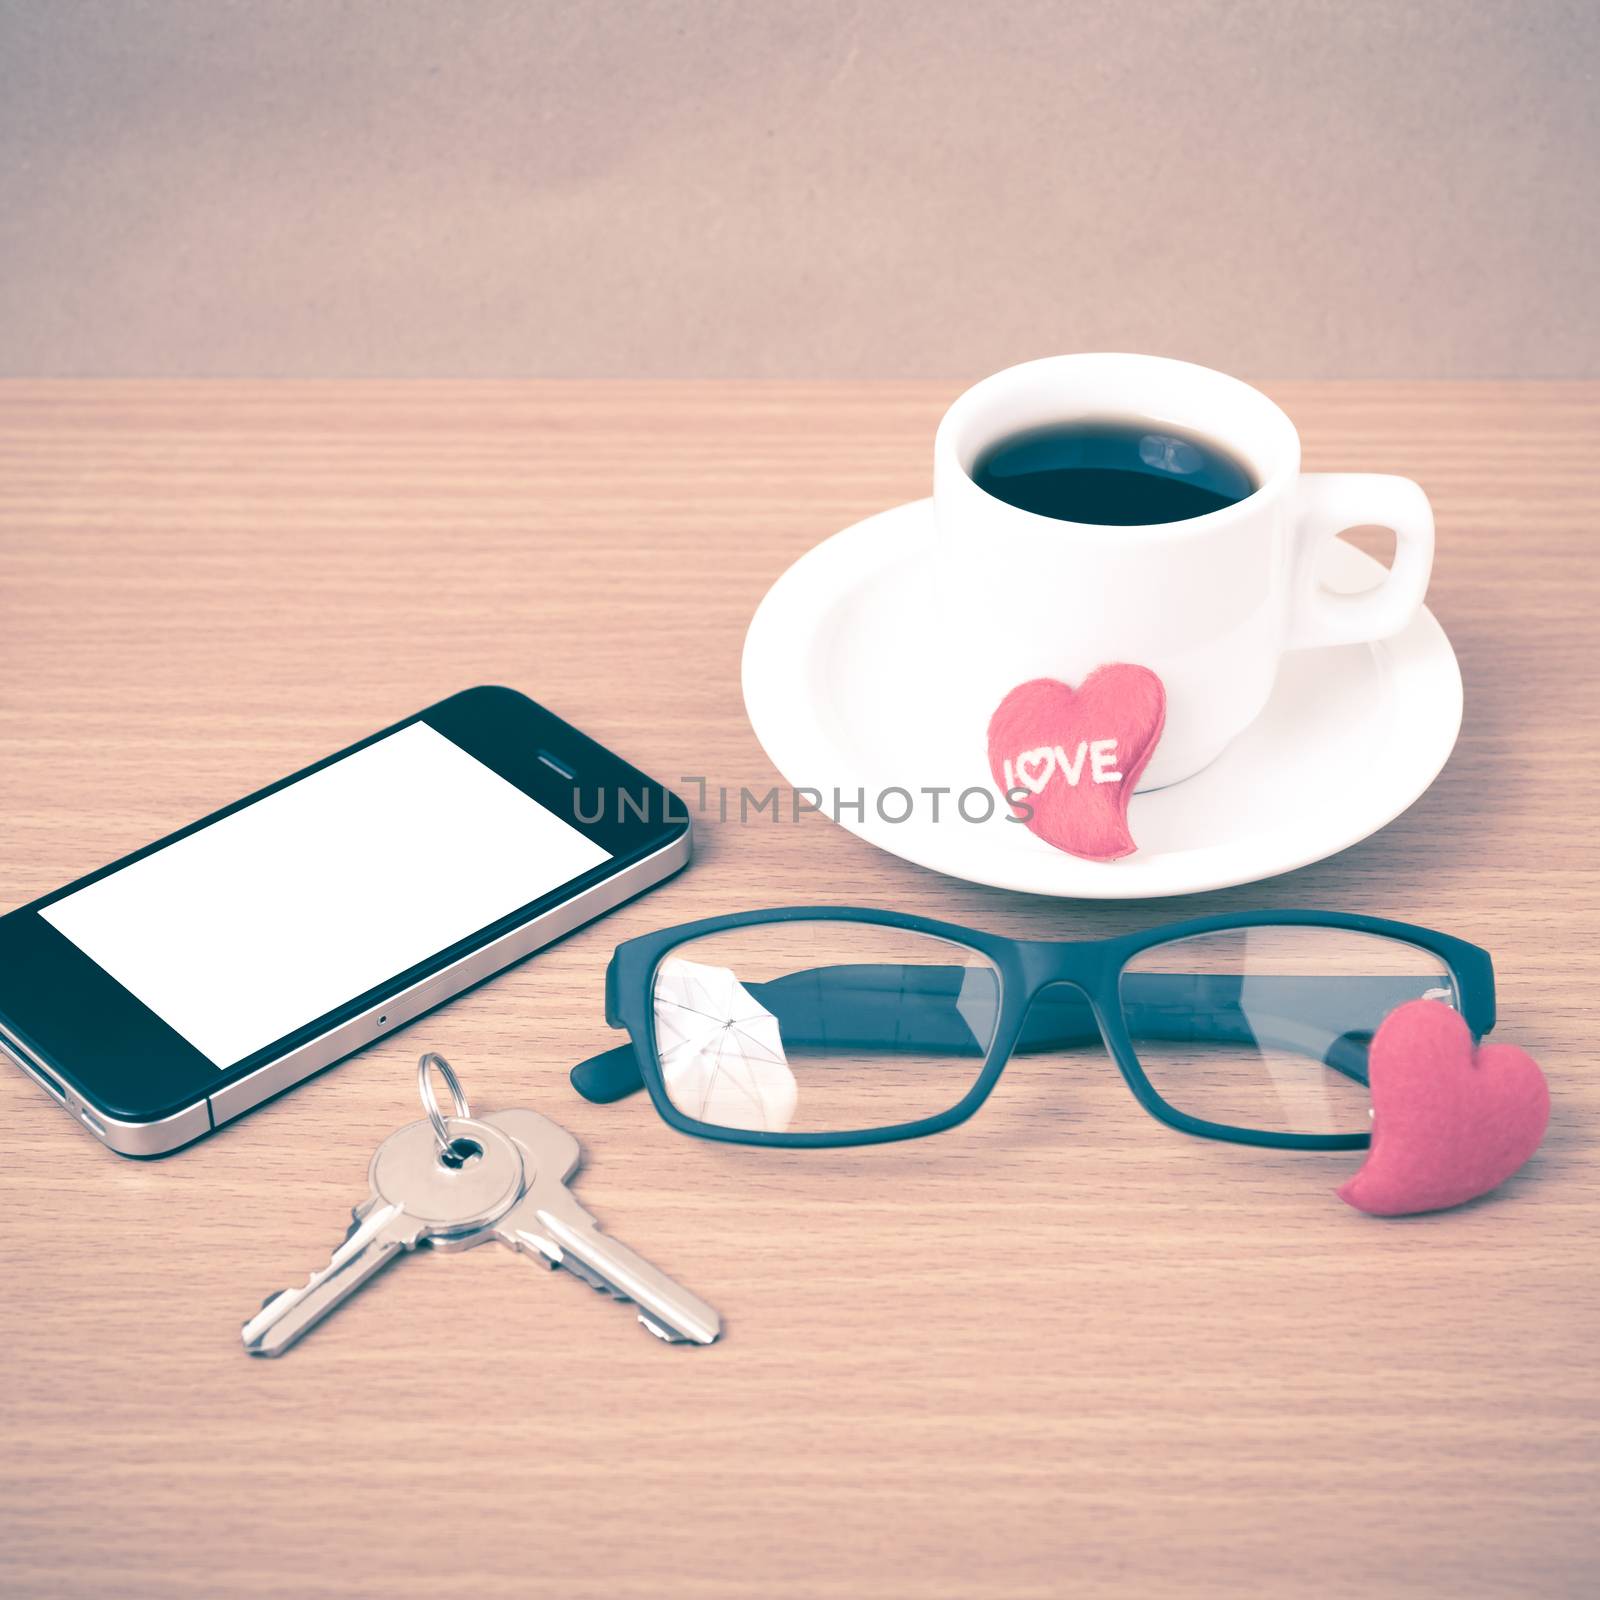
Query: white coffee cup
1209	604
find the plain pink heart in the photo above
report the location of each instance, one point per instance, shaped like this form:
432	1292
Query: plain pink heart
1449	1122
1069	759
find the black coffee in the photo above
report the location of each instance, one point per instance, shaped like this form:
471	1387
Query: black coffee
1119	473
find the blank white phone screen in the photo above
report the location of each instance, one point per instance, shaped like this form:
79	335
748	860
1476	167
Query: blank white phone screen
276	915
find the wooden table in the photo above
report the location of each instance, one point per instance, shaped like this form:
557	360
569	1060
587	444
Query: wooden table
1060	1350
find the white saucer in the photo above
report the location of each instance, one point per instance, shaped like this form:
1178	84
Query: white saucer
842	675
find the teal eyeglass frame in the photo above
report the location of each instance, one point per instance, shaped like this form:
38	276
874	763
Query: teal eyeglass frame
1027	1017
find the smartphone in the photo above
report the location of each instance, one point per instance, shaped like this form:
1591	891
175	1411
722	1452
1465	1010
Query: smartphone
176	989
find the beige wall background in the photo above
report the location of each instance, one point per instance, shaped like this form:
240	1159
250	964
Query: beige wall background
390	187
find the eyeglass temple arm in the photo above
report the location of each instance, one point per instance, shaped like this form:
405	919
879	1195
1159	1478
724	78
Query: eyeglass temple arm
865	1006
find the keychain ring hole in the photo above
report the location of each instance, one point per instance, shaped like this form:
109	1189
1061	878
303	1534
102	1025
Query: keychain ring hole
459	1152
430	1104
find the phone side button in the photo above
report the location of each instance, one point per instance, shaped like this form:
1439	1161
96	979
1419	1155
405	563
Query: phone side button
50	1085
145	1138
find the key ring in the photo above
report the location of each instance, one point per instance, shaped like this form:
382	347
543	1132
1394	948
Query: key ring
429	1104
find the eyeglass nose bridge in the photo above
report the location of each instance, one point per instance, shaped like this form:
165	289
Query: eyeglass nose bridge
1063	983
1086	965
1059	1015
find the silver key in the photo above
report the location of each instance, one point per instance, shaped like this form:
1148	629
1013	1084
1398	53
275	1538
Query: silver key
417	1198
548	1222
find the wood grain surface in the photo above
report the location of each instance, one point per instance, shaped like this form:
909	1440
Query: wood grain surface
1061	1350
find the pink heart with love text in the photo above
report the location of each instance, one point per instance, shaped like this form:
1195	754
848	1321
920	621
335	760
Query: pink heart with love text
1069	759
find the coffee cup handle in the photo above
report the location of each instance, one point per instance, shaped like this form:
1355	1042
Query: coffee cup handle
1329	503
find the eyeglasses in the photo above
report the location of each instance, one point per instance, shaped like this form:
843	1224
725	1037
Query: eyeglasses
823	1025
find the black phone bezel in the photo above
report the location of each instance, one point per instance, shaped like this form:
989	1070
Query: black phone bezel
122	1059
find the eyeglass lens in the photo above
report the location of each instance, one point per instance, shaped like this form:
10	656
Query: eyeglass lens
821	1027
1266	1028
